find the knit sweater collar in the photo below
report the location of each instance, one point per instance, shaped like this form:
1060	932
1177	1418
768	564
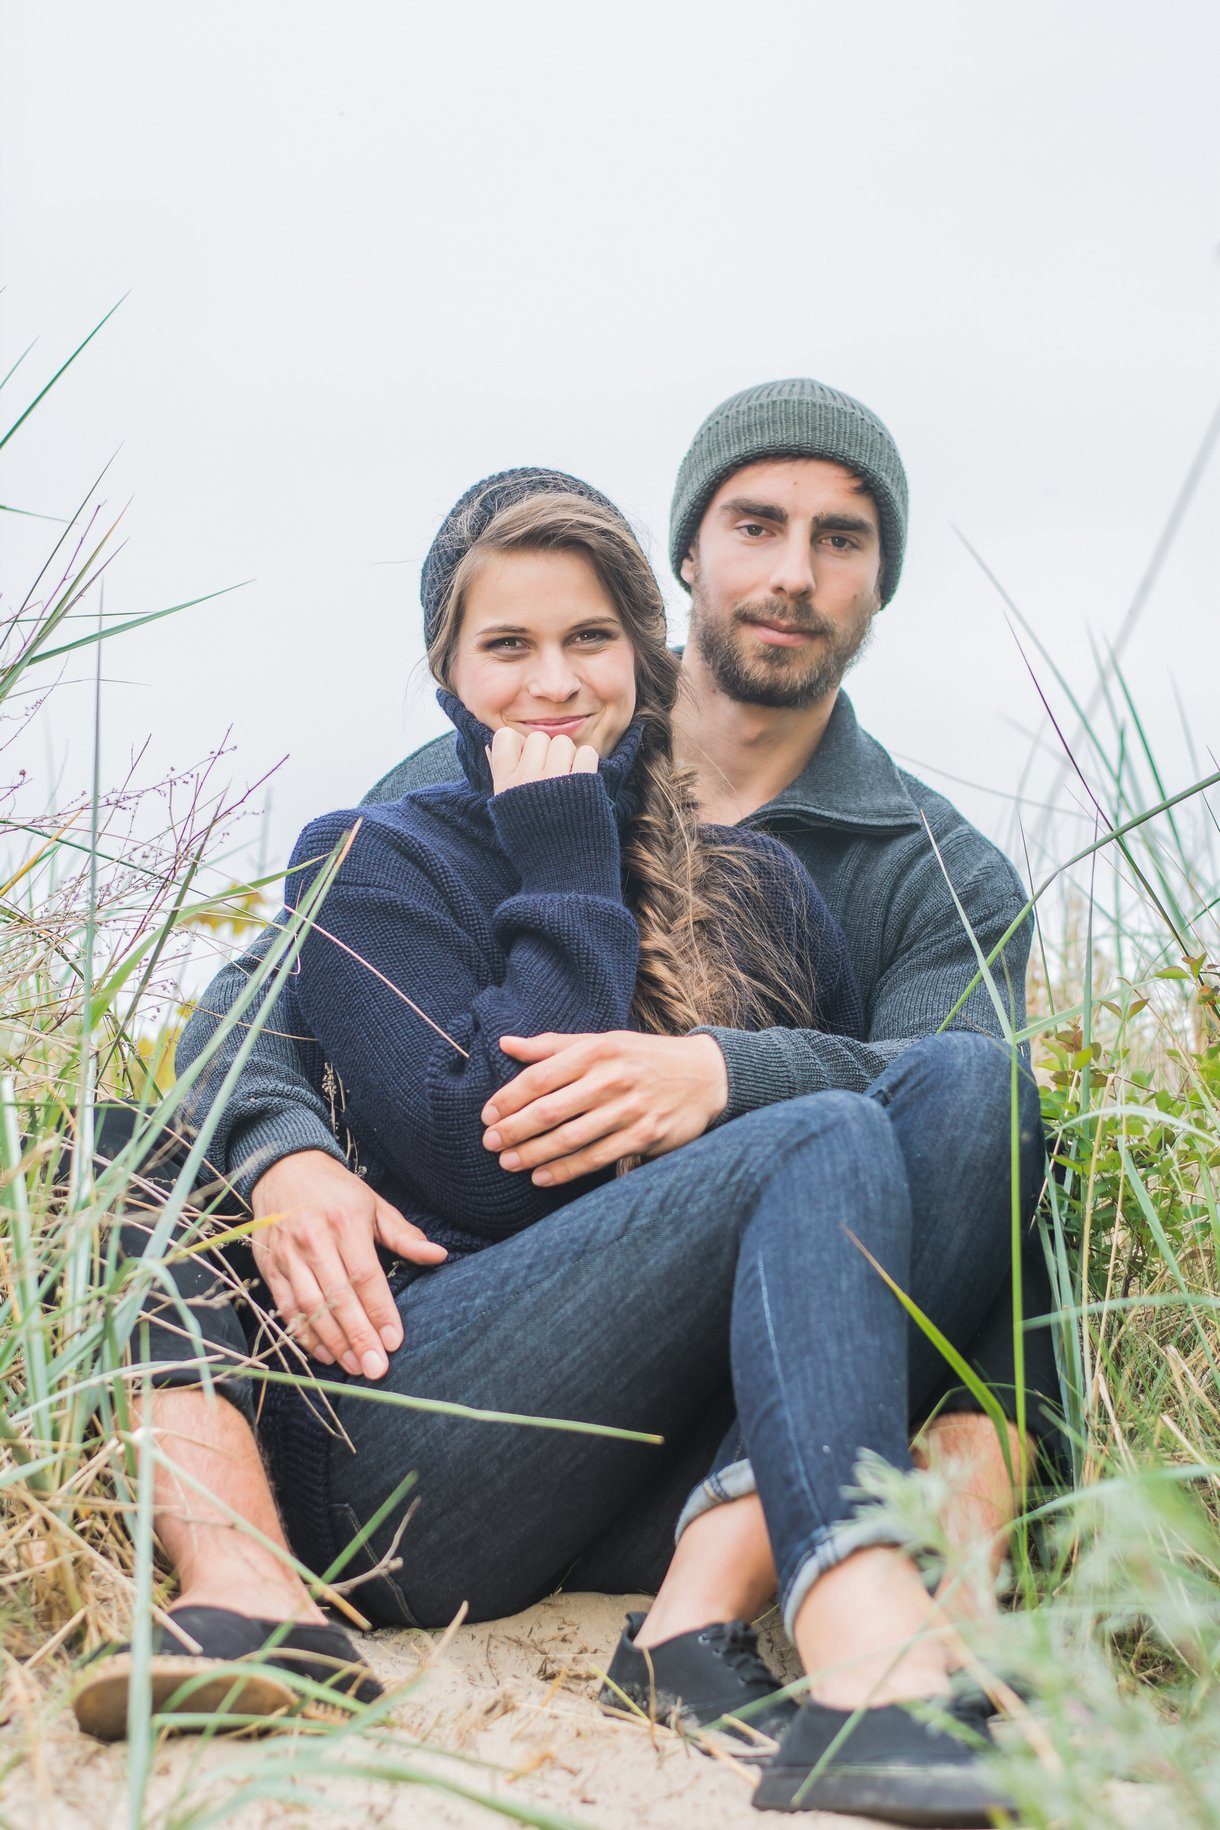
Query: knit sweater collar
616	770
848	781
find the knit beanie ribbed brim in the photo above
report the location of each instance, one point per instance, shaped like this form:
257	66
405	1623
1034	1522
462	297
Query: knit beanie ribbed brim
784	419
473	513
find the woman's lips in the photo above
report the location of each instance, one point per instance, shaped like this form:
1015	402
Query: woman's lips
556	727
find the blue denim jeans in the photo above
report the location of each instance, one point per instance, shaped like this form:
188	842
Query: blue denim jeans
722	1291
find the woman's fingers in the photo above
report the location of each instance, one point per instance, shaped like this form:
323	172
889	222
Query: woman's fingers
564	1140
560	755
516	760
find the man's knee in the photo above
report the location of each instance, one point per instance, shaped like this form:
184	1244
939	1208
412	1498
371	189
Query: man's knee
993	1098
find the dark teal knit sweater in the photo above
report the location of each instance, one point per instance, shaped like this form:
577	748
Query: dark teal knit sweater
864	831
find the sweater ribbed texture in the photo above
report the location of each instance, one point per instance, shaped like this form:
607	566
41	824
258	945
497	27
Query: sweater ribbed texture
495	915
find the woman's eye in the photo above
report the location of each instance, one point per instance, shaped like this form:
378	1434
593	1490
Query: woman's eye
504	644
588	636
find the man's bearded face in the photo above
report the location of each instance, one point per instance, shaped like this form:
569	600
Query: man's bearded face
758	672
785	578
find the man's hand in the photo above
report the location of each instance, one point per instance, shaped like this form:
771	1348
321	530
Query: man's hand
588	1100
317	1255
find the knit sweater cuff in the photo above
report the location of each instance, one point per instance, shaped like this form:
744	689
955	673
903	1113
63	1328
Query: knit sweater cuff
760	1067
560	835
254	1144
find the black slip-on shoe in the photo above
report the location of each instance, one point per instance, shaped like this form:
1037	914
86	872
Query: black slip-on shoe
695	1679
888	1765
208	1687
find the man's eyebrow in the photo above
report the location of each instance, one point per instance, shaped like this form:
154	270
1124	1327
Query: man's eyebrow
844	524
759	511
837	523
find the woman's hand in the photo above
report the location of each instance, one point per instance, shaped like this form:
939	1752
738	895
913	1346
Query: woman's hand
316	1252
516	760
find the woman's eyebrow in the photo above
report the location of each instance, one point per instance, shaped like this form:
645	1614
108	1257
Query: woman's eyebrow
504	629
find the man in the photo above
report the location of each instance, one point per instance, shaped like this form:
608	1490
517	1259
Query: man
788	529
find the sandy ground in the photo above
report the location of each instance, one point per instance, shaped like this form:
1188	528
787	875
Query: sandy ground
510	1702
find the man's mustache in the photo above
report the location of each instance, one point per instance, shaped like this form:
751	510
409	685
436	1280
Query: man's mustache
788	615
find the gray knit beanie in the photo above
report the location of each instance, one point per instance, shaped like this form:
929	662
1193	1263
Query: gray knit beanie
473	513
797	418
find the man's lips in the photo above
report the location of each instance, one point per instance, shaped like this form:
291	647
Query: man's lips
784	635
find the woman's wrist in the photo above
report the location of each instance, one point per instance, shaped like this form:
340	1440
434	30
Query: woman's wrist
560	835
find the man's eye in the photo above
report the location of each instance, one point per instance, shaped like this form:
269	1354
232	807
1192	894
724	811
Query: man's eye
842	543
753	527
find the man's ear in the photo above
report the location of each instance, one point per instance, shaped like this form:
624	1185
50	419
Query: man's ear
687	569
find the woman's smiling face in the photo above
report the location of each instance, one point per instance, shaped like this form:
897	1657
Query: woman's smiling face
542	647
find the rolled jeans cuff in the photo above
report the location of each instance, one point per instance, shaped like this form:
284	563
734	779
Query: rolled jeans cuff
731	1483
829	1547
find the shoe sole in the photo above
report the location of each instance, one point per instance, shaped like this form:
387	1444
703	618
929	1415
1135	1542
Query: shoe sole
936	1799
99	1702
740	1744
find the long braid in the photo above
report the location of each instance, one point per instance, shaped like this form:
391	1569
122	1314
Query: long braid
695	899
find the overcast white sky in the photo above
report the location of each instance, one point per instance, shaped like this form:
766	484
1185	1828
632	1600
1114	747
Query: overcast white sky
377	250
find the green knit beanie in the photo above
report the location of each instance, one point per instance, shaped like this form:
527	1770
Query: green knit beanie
798	418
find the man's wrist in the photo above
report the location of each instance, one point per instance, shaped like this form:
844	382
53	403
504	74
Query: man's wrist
715	1075
266	1192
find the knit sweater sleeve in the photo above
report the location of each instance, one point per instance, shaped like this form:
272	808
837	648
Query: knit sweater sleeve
408	984
929	963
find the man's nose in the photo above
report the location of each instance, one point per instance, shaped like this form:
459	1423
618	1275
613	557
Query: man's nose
792	572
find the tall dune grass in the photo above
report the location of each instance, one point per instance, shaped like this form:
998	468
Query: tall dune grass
1119	1634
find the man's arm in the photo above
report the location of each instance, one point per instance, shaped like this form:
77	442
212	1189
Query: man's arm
586	1101
913	997
276	1109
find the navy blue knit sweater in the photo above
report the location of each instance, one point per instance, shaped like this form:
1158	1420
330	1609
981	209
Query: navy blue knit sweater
495	915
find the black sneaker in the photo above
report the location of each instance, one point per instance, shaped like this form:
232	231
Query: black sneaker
199	1670
889	1765
694	1679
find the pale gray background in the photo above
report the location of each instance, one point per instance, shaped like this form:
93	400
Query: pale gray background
375	251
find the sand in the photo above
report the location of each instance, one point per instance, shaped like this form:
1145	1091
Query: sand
511	1702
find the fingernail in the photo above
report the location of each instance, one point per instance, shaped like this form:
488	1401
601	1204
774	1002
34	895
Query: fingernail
543	1178
391	1338
490	1115
374	1364
511	1160
322	1354
351	1364
492	1140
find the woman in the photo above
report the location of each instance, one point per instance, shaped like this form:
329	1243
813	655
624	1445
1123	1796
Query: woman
564	885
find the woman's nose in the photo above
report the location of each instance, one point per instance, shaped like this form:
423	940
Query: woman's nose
554	678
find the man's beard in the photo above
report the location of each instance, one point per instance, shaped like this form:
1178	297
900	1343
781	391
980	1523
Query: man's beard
770	674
